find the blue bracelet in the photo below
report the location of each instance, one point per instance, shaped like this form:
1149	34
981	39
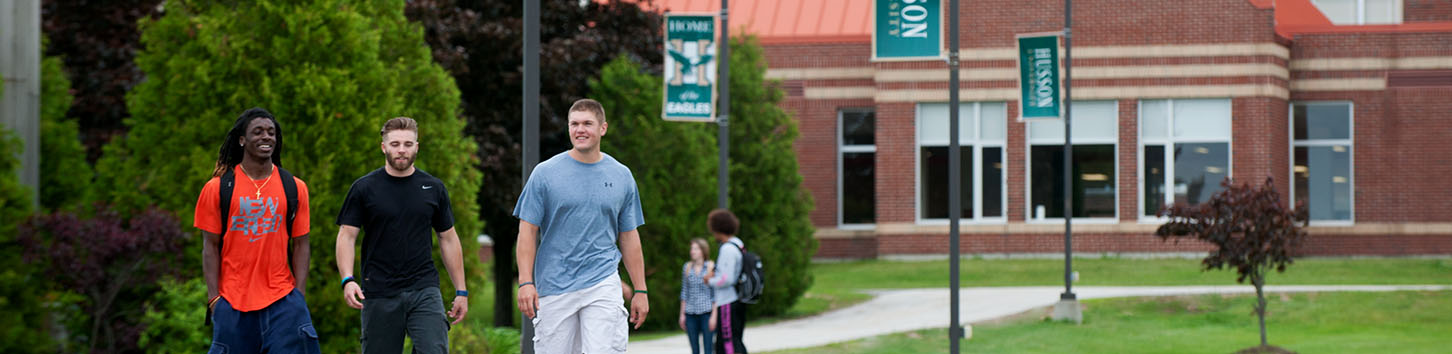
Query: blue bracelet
464	293
347	279
521	285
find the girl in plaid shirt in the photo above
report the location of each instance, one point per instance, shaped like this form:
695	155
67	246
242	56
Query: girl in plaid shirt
698	317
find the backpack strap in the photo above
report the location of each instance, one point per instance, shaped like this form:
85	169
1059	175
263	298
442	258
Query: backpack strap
224	202
289	187
742	269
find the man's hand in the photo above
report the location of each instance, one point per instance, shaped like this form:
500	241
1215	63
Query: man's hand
711	326
353	295
528	300
639	306
461	308
682	321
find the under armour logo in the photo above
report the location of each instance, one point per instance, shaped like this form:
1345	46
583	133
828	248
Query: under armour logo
427	187
608	185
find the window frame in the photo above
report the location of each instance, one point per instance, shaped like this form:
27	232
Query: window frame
1030	141
975	170
842	151
1350	141
1169	142
1398	14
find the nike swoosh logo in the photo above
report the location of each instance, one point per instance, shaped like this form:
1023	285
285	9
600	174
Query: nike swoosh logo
428	187
253	239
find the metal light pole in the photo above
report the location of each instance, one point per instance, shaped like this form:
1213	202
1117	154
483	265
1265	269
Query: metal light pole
723	134
1068	306
955	187
1068	157
530	145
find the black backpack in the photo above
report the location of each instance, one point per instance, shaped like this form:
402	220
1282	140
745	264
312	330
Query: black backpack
751	281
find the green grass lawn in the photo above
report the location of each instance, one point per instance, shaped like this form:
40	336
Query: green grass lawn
1342	322
838	285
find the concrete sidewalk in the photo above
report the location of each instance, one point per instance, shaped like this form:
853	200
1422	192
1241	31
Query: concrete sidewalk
893	311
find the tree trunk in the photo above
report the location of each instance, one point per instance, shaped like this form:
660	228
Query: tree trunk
1259	282
504	279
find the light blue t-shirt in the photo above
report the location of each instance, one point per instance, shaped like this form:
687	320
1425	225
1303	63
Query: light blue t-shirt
581	209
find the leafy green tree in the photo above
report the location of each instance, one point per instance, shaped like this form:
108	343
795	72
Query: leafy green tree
97	41
21	328
172	318
332	71
479	43
65	176
674	164
766	185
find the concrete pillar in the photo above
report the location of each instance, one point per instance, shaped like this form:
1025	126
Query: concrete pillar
20	66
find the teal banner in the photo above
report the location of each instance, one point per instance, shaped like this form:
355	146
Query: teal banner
690	68
1038	81
907	30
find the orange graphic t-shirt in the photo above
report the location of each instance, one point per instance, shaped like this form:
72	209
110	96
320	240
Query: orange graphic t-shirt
254	266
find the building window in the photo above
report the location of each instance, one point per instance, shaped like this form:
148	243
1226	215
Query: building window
1361	12
981	134
1322	146
856	165
1096	132
1185	151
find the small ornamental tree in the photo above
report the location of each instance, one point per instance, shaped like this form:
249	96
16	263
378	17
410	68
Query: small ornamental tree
112	262
1252	231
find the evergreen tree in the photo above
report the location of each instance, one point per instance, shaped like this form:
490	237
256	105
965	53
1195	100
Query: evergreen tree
65	176
674	164
675	167
766	190
332	71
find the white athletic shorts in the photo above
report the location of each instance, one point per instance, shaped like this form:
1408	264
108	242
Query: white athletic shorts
592	320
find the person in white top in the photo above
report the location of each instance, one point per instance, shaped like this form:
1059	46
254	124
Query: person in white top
731	314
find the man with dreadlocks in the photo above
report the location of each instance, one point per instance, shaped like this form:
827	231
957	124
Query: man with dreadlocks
255	244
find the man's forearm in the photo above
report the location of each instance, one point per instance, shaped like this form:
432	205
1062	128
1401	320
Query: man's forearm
344	250
453	254
211	263
634	258
524	257
301	258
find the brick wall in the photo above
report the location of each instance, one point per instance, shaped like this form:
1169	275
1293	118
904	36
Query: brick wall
1400	162
1426	11
896	167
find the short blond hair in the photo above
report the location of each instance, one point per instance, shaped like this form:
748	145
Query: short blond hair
399	123
591	106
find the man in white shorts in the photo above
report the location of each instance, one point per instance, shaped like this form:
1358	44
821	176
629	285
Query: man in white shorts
578	216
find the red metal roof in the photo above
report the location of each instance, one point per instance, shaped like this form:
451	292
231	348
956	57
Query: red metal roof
835	21
789	20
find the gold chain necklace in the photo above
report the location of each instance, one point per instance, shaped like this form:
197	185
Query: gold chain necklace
258	194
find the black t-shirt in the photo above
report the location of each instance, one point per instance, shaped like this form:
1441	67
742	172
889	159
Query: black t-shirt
396	214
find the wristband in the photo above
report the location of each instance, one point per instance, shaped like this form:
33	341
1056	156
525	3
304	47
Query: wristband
213	302
642	292
464	293
348	279
521	285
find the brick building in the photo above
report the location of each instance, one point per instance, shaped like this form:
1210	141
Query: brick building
1345	103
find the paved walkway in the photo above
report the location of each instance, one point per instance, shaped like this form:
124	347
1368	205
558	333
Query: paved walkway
893	311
